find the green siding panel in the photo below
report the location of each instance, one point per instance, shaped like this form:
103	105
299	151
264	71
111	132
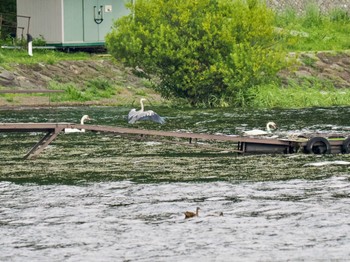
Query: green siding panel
95	29
81	19
73	21
91	11
118	10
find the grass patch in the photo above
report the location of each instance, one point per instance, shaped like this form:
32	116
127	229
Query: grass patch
100	88
307	94
40	56
308	60
94	89
317	31
8	97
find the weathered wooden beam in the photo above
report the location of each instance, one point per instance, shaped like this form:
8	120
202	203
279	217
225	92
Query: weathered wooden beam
134	131
31	127
43	143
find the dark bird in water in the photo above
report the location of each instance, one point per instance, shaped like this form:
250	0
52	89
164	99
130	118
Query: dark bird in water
134	115
189	214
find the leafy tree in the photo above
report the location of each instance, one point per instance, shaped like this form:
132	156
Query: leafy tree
7	6
201	50
8	17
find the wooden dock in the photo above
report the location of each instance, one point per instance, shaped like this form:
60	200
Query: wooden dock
243	145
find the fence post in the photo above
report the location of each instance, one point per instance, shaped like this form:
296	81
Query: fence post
30	44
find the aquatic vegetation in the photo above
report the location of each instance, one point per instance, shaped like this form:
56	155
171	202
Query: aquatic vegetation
105	157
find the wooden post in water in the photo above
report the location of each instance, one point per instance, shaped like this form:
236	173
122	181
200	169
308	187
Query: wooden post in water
43	143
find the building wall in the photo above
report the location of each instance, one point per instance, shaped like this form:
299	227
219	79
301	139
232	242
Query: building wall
69	22
46	18
300	5
73	21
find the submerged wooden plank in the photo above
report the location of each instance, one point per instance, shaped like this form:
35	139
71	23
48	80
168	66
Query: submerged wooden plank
36	146
43	143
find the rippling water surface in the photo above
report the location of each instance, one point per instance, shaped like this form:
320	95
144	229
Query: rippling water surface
99	197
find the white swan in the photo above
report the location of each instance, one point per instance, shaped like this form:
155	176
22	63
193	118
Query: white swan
134	115
258	132
76	130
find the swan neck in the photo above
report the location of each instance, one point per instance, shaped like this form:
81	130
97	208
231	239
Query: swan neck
268	128
141	102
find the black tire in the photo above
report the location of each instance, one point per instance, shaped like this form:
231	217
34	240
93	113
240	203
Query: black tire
318	145
345	147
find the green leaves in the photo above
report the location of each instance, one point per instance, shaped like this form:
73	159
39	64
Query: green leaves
200	49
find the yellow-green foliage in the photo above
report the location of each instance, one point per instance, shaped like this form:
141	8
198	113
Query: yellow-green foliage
200	49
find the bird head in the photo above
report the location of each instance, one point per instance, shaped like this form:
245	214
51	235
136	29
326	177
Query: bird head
272	125
86	117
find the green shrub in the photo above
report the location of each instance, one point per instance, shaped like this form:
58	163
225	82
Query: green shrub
200	49
39	41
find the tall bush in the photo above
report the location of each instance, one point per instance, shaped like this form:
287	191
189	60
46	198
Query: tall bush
203	51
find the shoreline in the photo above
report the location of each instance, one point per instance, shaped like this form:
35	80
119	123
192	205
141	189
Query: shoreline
312	68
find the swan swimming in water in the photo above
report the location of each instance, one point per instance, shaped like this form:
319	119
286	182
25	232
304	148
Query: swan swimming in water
76	130
134	115
258	132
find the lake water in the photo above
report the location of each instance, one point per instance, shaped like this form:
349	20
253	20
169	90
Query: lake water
99	197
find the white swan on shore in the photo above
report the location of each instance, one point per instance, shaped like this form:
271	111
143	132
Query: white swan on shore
76	130
258	132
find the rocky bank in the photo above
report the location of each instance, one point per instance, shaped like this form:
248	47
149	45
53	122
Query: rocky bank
326	66
39	76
